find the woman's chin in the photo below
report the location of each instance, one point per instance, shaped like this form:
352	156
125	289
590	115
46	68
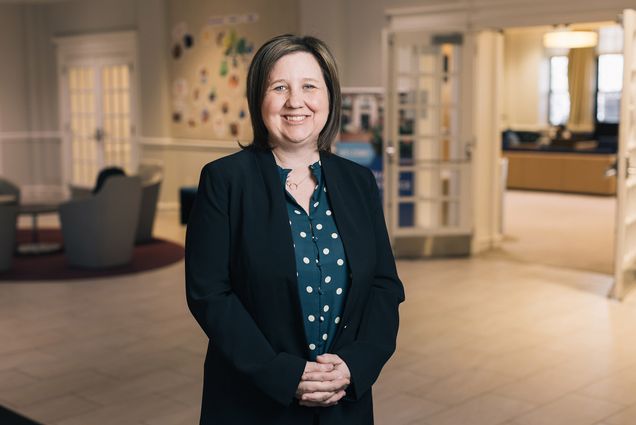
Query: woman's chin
299	139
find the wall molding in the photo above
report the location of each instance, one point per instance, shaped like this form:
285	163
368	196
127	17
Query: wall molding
168	206
483	14
173	143
31	135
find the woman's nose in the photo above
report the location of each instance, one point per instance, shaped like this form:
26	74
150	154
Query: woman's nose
295	99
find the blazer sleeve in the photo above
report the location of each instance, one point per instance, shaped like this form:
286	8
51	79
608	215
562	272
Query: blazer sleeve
215	305
376	338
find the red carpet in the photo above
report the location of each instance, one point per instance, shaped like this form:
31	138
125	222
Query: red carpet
152	255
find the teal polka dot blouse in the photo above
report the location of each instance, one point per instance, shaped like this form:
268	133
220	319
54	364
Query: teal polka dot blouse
323	277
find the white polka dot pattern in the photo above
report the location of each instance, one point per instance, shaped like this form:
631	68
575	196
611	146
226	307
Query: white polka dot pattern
322	275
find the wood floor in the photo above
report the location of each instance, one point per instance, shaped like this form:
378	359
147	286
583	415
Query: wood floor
483	341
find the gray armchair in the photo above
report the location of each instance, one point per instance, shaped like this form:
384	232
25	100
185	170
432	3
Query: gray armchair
8	224
99	231
148	210
7	187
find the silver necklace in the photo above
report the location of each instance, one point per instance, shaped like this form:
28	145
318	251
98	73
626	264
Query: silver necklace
293	186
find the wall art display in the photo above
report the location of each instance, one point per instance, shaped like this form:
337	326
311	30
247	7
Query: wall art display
209	69
361	128
361	140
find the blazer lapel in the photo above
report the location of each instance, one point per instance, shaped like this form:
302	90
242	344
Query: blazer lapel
279	220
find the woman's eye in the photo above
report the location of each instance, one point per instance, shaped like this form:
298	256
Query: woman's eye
309	86
279	88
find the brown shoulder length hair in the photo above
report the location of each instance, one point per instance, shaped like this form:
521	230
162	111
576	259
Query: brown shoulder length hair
259	71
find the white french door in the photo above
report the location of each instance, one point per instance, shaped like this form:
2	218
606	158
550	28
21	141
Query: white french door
98	109
428	164
625	241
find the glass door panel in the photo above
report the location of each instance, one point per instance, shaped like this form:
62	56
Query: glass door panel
430	168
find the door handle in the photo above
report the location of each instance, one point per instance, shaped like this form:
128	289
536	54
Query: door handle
99	134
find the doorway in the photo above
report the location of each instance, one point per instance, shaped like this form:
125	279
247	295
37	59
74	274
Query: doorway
560	204
97	87
427	157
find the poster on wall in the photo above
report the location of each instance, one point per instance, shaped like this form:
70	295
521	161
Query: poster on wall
210	64
360	140
361	128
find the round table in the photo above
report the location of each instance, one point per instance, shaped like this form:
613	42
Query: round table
35	247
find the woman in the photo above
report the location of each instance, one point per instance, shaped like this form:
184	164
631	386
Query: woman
289	270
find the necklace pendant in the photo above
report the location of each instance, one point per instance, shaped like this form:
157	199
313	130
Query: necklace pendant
292	186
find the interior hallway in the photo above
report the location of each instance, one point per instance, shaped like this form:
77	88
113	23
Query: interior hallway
560	229
487	340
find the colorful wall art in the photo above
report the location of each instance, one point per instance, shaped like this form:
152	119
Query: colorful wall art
210	47
361	128
210	64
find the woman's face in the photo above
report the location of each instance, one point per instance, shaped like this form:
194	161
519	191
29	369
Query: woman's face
296	103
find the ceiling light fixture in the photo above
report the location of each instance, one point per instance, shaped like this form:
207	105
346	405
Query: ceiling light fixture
566	39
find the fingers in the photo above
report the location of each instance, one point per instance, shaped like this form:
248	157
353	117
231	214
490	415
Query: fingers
323	376
336	397
306	387
318	367
323	382
329	358
330	401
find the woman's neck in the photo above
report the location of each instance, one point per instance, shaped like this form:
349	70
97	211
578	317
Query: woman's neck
295	157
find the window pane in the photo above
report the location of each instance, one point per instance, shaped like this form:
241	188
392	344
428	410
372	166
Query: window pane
559	108
610	73
559	73
610	82
608	107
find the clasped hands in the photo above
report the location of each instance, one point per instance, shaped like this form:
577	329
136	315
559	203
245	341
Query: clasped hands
323	382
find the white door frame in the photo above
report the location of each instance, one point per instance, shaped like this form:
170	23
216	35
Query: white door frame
429	168
625	234
85	48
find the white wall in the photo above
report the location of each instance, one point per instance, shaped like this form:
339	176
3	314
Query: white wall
31	154
15	154
13	75
525	77
327	20
352	28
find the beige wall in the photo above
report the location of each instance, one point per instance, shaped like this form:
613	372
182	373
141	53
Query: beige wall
28	71
13	75
525	77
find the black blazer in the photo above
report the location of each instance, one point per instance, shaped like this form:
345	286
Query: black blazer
241	288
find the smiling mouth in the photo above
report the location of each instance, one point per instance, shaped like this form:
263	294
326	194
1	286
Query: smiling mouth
294	118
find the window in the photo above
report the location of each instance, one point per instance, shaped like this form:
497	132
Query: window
610	83
559	96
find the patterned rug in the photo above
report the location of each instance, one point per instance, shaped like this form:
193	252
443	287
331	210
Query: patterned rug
148	256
